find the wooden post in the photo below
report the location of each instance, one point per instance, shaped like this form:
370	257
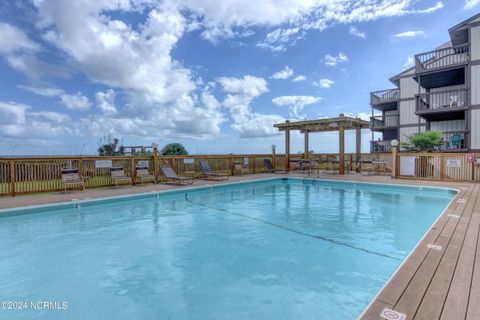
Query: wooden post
254	165
12	178
132	172
306	150
394	162
442	167
358	150
341	138
80	167
232	166
155	165
274	160
287	149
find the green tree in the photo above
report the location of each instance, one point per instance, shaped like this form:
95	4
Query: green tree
174	149
424	141
109	146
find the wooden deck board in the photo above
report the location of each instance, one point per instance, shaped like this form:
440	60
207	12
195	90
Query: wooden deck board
441	284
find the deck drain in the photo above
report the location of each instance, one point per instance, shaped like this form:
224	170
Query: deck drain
434	247
390	314
454	216
462	200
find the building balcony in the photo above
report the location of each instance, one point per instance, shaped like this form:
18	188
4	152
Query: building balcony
453	141
380	146
384	122
441	59
442	105
385	99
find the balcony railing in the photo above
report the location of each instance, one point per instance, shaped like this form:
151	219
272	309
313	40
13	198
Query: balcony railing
380	146
453	141
442	58
384	121
384	96
441	101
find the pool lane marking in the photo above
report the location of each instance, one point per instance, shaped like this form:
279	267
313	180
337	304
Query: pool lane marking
293	230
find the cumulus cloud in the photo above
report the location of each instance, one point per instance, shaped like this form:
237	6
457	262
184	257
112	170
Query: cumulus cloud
410	34
106	102
299	78
408	63
331	61
296	103
355	32
75	101
286	73
323	83
14	40
469	4
240	94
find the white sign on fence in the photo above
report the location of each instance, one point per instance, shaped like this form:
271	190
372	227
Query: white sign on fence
454	163
103	164
188	161
142	163
245	162
407	166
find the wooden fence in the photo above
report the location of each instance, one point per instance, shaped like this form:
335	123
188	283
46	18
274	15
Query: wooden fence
43	174
439	166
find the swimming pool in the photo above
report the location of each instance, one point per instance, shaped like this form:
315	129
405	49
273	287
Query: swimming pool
273	249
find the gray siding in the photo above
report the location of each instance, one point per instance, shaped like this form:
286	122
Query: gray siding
405	132
475	85
407	113
408	88
475	130
475	43
448	126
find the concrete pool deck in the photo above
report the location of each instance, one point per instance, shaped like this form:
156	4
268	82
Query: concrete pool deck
435	282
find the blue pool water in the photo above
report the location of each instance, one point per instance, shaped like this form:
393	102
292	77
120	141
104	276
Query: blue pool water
277	249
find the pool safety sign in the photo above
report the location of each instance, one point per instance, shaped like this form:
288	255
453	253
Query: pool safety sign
454	163
390	314
103	164
470	158
407	166
142	163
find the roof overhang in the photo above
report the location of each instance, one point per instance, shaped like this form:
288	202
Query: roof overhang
324	125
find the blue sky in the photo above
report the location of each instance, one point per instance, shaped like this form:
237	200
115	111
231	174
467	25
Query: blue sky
212	75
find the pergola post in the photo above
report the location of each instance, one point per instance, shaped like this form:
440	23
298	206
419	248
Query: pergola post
358	146
287	149
307	150
341	140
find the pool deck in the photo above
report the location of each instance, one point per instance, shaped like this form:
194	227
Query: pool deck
442	282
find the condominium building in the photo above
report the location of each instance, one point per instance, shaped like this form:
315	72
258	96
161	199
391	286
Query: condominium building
441	92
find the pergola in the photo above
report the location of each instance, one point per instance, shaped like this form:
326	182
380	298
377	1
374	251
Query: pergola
340	124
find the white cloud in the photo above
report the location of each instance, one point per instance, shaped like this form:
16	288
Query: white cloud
437	6
286	73
331	61
355	32
469	4
14	40
18	121
361	115
42	91
240	94
408	63
75	101
410	34
277	39
299	78
106	102
323	83
296	103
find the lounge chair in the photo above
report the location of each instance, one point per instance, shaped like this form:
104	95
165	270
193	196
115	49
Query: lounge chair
172	177
144	175
119	176
269	167
209	174
71	178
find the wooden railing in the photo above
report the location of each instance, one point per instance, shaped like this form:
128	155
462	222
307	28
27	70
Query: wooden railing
441	101
380	146
442	58
42	174
391	120
384	96
439	166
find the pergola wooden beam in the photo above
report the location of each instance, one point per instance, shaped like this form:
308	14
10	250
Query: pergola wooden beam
340	124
